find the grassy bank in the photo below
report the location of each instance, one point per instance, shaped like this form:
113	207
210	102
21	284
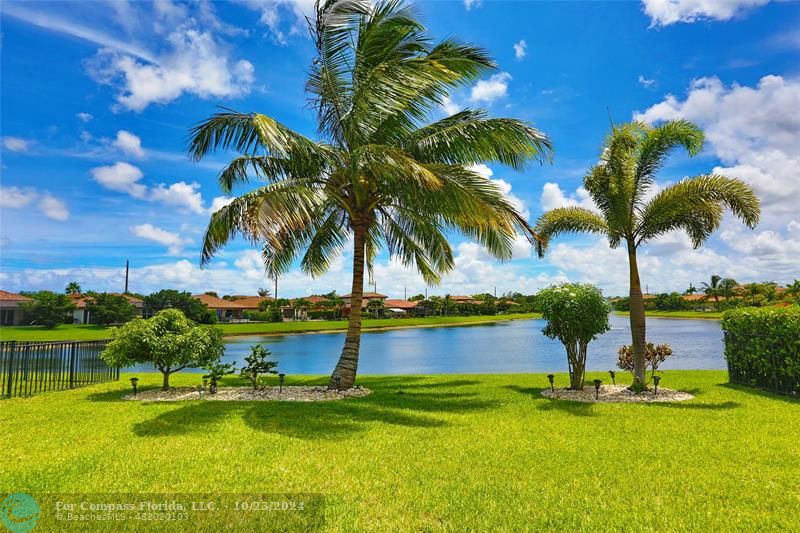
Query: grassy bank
711	315
433	452
88	332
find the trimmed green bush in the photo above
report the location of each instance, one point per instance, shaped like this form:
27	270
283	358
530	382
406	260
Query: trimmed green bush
762	347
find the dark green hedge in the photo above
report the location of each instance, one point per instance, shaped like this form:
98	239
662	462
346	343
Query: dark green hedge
762	347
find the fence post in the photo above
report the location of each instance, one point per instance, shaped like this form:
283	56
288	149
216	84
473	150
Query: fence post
72	366
12	349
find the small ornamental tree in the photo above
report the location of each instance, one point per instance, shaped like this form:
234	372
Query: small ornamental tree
654	355
47	308
169	340
216	371
257	363
576	314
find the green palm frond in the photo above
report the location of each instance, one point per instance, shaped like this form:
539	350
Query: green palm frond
264	215
248	133
657	143
696	205
468	138
568	220
241	169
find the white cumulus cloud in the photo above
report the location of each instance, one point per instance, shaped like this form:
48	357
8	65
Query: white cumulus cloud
16	144
173	241
128	143
520	49
48	205
666	12
488	91
121	177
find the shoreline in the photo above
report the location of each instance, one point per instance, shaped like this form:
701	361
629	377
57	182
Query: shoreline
376	328
668	317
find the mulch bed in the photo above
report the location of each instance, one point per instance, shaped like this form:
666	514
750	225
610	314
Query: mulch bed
617	394
289	394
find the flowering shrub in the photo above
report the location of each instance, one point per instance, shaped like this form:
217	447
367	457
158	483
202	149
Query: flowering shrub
576	314
654	355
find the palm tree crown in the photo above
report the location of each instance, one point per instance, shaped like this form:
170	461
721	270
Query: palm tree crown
620	183
380	173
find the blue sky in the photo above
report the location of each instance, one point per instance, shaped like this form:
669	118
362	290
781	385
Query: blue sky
97	99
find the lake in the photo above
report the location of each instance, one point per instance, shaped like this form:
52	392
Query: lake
501	347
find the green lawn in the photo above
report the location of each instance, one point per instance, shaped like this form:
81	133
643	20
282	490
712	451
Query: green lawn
81	332
713	315
449	452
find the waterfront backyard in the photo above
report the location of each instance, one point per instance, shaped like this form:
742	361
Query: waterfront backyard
432	452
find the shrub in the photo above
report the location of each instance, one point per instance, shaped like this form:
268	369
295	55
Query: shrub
576	314
762	347
654	355
47	309
215	372
257	364
169	340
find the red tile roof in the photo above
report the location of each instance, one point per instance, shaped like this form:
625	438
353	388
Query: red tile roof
6	296
218	303
400	304
251	302
372	295
80	299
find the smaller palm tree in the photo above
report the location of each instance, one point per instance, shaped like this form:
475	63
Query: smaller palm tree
712	289
632	155
793	291
727	286
691	290
73	287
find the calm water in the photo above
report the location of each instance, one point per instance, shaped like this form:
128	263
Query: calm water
504	347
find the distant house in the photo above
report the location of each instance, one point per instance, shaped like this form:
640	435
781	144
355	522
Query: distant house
226	310
82	315
465	300
10	311
397	308
367	297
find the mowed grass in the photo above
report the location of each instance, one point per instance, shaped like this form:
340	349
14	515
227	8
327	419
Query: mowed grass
469	452
69	332
713	315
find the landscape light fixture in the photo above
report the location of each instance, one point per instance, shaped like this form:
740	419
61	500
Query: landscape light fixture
656	379
134	381
551	377
338	381
613	376
205	383
597	384
281	379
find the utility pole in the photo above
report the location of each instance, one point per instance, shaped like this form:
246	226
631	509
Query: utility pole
495	291
127	267
405	293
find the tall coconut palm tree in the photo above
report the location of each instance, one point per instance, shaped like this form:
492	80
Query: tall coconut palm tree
619	185
379	173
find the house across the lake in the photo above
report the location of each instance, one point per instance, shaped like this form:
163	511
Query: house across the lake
231	308
82	315
10	311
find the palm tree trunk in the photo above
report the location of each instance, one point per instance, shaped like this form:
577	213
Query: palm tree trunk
348	362
638	326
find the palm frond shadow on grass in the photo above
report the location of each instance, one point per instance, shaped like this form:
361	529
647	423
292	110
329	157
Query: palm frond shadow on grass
314	420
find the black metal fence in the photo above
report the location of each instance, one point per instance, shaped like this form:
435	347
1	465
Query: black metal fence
764	361
28	367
